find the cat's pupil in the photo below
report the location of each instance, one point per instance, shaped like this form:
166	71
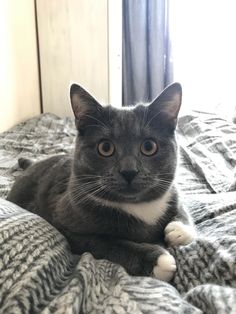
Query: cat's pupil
106	147
148	146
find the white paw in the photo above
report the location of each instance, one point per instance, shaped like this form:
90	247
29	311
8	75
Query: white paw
165	267
176	233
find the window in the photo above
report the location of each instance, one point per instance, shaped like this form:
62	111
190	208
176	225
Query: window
204	53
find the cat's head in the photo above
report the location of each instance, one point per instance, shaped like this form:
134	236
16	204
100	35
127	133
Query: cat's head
127	154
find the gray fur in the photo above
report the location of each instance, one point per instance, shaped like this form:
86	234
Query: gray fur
64	189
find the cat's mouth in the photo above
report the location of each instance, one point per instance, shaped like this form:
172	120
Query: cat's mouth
123	193
128	197
129	192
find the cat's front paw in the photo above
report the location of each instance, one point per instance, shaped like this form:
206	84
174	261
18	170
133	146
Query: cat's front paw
177	233
165	267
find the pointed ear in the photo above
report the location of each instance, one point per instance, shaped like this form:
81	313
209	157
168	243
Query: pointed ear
84	106
167	104
82	102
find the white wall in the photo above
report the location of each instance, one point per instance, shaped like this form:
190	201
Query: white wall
19	87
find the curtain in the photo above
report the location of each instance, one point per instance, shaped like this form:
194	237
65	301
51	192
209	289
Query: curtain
146	50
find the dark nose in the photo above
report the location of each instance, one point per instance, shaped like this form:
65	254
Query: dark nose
129	175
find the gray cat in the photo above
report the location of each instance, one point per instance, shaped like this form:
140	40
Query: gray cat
116	196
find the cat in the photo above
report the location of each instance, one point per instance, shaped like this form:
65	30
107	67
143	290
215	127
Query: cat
115	197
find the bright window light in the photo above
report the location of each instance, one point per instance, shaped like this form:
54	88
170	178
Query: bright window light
203	34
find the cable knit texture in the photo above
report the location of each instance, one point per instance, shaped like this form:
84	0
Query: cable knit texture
39	274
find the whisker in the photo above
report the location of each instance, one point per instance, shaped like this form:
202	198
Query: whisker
85	188
95	193
86	198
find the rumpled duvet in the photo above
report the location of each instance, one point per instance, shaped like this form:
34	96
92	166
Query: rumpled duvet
38	273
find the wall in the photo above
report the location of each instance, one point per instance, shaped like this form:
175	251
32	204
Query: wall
19	86
79	40
73	39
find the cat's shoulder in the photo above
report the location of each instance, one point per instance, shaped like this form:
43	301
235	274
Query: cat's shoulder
61	160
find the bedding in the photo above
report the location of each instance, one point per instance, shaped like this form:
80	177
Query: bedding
38	273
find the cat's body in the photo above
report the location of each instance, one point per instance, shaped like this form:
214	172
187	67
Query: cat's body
116	196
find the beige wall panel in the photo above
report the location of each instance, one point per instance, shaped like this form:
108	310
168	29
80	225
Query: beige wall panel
19	88
73	47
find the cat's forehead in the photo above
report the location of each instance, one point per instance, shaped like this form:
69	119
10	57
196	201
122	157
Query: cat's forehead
126	121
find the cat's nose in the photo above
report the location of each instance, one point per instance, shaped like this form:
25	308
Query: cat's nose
129	175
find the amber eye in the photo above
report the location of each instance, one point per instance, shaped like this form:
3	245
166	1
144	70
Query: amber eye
149	147
106	148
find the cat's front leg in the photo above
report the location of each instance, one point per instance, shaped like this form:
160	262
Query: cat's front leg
181	230
178	233
165	267
140	259
154	260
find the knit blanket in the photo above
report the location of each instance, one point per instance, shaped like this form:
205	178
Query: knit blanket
38	273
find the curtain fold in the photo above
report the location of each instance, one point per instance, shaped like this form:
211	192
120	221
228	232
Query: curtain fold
146	50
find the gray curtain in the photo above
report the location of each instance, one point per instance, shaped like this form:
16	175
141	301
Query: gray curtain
146	51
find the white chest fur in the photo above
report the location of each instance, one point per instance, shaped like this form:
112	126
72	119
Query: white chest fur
149	212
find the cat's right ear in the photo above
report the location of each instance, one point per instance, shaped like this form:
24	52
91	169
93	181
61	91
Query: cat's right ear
82	102
83	105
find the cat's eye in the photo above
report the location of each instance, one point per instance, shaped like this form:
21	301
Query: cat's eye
106	148
149	147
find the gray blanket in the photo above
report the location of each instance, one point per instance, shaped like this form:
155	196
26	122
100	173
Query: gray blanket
39	274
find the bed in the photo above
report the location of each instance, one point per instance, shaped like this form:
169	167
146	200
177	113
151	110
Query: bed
38	273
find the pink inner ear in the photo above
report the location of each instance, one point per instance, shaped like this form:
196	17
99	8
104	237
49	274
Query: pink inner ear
173	106
77	105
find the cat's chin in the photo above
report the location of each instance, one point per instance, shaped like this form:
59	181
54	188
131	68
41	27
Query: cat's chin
123	196
133	194
128	197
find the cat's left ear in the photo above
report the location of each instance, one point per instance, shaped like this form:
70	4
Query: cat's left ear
167	104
